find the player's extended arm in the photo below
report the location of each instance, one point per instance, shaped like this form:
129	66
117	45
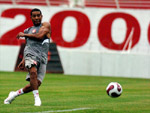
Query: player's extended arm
44	30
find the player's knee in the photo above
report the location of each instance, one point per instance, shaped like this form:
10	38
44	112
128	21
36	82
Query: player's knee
33	73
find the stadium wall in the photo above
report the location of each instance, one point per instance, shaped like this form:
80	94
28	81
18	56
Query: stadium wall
90	41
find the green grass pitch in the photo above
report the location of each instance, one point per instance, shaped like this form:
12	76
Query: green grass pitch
76	94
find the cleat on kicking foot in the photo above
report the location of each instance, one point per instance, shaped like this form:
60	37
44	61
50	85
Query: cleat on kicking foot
10	97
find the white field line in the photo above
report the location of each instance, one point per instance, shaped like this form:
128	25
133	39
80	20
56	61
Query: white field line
56	111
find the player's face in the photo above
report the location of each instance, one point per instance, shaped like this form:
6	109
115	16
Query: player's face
36	18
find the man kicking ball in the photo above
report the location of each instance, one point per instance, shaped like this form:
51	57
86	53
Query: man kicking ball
35	56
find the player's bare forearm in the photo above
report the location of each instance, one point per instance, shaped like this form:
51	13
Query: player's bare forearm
44	30
39	35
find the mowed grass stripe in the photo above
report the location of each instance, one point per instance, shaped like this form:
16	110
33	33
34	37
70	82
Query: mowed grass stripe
62	92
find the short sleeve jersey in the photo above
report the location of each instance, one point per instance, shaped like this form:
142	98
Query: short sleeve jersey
36	48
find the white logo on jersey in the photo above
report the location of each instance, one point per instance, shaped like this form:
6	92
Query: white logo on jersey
34	31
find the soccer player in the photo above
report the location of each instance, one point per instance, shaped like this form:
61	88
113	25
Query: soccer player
35	56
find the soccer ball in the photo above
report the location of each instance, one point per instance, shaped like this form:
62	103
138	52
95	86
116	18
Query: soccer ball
114	89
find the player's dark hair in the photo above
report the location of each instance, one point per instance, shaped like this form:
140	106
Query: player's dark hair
35	9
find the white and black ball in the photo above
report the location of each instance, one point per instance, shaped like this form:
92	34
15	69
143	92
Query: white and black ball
114	89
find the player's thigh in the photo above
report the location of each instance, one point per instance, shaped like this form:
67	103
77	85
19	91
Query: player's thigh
33	70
